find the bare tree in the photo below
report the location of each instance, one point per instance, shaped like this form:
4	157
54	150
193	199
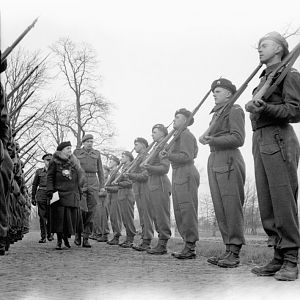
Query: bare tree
88	110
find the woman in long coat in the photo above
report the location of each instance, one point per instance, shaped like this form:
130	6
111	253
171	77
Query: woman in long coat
66	177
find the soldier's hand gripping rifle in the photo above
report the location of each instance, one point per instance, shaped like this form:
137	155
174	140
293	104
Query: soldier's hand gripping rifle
134	164
16	42
228	106
176	133
256	105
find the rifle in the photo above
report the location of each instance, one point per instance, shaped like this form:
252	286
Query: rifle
29	157
24	123
228	105
17	41
25	79
178	132
276	77
22	155
134	164
20	149
21	104
29	170
111	176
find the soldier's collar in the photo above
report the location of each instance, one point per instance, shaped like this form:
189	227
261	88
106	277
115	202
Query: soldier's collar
268	70
218	107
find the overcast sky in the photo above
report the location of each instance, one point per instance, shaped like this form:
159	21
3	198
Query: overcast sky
158	56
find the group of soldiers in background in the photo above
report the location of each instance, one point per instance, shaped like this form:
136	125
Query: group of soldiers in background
276	156
15	206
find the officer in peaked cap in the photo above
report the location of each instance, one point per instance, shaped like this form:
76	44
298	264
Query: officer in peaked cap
90	161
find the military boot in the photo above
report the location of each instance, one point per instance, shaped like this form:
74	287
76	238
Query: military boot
215	259
128	243
160	248
269	269
59	241
114	241
102	238
85	243
188	252
143	246
232	260
50	237
288	272
77	240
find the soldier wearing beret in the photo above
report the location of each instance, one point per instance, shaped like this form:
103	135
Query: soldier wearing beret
141	194
39	197
226	173
160	190
185	183
113	202
126	200
276	156
90	161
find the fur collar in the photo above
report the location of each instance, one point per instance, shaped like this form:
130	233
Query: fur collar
60	158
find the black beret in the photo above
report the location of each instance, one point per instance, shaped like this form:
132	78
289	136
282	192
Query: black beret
63	145
225	84
141	140
162	128
46	155
277	38
128	154
113	157
186	113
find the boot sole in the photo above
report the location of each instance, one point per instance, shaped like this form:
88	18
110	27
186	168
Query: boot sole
263	274
226	266
282	278
156	253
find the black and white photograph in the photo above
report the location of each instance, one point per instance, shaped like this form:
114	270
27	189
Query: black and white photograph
149	149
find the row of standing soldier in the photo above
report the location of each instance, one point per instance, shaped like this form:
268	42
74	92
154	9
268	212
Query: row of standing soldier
275	152
14	198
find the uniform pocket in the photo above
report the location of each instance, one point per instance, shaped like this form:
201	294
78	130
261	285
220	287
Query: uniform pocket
269	149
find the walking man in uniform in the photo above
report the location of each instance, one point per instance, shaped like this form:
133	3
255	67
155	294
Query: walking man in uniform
90	161
276	156
185	183
159	191
226	173
39	197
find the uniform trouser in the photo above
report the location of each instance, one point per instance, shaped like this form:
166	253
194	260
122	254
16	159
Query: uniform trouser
92	198
101	217
115	213
160	207
226	175
3	209
185	183
138	200
146	211
44	215
276	156
126	201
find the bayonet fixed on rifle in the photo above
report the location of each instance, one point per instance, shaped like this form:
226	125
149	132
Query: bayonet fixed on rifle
24	123
29	157
24	153
31	140
17	41
20	105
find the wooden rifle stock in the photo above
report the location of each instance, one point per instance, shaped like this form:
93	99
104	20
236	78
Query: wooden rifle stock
227	106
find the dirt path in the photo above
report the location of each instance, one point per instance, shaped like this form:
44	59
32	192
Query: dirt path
37	271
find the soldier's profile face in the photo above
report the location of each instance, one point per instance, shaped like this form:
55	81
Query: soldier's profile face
179	121
88	144
124	159
138	147
157	134
267	49
112	163
221	95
